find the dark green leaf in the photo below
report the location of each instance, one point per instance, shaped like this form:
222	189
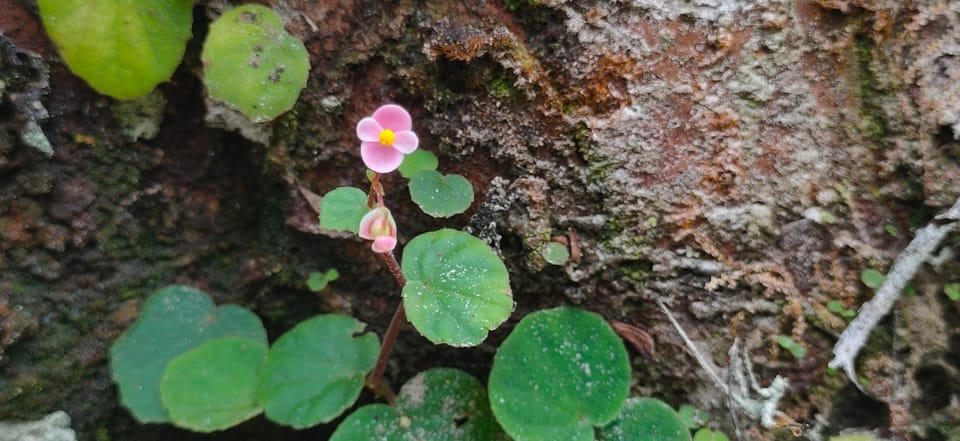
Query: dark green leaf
441	195
174	320
560	373
437	405
342	208
646	419
417	162
316	370
213	387
457	288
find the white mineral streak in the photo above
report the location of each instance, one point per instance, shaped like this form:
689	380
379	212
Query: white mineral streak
53	427
919	250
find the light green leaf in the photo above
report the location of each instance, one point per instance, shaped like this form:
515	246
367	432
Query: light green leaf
317	281
706	434
316	370
441	195
872	278
448	404
417	162
691	416
952	290
122	48
788	343
646	419
342	208
251	63
457	288
213	387
173	321
560	372
555	253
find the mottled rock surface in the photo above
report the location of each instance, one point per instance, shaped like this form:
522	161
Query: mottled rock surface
743	161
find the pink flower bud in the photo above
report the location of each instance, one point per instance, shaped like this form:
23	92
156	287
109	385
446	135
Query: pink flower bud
378	225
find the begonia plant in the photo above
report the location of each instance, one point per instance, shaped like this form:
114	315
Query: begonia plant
561	374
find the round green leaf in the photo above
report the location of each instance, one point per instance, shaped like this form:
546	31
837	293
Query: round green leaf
646	419
213	387
555	253
417	162
316	370
250	62
457	288
174	320
872	278
342	208
439	404
441	195
560	372
122	48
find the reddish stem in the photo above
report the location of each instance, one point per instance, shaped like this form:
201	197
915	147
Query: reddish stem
375	380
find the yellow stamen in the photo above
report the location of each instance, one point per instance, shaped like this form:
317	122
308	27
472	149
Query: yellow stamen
387	137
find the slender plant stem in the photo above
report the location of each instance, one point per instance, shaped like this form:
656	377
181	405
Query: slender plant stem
375	380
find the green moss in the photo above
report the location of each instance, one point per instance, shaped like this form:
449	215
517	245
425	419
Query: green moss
502	87
873	123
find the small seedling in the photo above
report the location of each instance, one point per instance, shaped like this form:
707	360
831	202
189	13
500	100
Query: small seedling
318	281
836	307
555	253
694	418
872	278
788	343
706	434
952	290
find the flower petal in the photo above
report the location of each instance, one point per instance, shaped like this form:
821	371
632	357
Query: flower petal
368	129
393	117
380	158
365	222
384	244
406	141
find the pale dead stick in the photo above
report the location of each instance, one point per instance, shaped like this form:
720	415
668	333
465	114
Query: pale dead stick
908	262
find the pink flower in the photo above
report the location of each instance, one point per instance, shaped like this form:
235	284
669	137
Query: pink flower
385	137
378	225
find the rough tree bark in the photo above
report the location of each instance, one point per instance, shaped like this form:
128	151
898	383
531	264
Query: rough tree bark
742	161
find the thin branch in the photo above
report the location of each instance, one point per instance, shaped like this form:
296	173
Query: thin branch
375	380
919	250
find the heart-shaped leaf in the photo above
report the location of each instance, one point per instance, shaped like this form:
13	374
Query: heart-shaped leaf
417	162
174	320
213	387
646	419
457	288
250	62
316	370
342	208
122	48
441	195
560	372
439	404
